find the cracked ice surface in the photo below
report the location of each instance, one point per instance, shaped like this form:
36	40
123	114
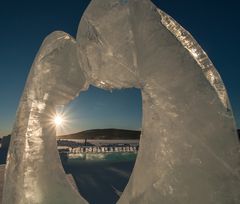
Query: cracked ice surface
188	149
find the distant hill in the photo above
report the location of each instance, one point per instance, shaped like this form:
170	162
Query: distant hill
104	134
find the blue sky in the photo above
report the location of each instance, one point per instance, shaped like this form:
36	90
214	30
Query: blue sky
97	108
24	25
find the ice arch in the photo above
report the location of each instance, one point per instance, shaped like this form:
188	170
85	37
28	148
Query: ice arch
188	148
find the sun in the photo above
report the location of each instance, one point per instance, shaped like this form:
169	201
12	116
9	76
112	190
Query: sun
58	120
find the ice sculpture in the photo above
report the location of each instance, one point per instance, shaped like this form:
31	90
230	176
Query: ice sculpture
34	173
188	149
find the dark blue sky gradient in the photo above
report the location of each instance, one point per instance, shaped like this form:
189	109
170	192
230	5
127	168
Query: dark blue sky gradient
24	25
97	108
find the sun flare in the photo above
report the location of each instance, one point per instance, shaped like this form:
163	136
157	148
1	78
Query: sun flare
58	120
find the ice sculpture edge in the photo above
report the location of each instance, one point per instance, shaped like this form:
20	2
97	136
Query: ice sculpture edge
198	54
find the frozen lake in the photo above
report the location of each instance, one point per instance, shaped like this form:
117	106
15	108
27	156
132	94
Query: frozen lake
101	178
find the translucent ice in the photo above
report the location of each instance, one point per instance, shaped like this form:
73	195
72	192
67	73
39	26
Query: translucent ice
34	172
188	149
